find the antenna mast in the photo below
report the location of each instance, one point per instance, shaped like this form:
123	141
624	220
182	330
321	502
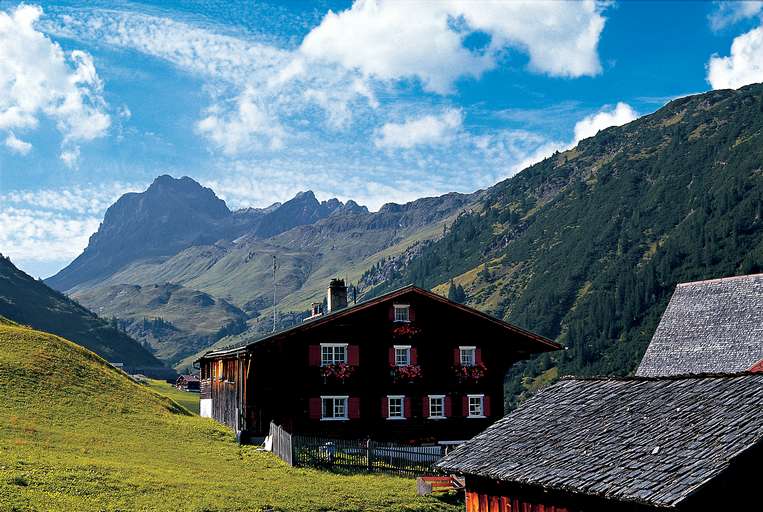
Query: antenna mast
275	313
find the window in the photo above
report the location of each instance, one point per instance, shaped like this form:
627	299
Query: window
436	406
476	409
402	355
333	353
333	407
468	356
395	407
402	313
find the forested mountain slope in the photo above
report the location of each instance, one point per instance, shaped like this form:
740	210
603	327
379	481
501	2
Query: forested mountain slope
30	302
587	246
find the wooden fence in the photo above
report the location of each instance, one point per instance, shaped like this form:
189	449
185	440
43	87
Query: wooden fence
282	444
353	455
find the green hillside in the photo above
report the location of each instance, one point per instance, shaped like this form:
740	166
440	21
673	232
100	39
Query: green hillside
587	246
30	302
175	321
78	435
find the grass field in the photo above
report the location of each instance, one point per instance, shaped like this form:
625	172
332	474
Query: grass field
76	434
188	400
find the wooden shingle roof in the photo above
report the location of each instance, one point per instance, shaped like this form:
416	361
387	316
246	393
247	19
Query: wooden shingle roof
708	327
653	441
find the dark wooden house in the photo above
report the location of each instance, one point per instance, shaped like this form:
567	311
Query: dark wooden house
407	366
188	383
642	444
713	326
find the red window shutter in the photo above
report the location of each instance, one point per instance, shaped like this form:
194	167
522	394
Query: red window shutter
477	355
314	408
465	405
384	407
425	407
392	356
352	355
411	313
457	356
414	355
486	405
407	412
391	312
448	406
314	355
354	407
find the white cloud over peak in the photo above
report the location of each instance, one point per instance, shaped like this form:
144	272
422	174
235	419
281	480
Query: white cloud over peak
242	128
391	40
38	78
728	13
70	157
589	126
53	226
744	66
424	130
17	145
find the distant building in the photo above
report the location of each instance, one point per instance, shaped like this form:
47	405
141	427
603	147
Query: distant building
407	366
188	383
638	445
713	326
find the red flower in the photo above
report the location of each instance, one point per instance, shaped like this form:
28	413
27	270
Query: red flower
406	331
470	373
409	372
339	371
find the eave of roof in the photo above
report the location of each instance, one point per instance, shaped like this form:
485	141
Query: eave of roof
548	344
492	454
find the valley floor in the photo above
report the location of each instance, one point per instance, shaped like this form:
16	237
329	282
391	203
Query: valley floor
75	434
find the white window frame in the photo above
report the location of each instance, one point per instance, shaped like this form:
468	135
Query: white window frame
403	307
407	349
333	347
482	406
334	398
437	417
389	407
467	348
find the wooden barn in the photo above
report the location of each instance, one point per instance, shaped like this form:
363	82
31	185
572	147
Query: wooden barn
406	366
713	326
641	444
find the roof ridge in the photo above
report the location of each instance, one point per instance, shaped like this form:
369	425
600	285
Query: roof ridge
638	378
721	279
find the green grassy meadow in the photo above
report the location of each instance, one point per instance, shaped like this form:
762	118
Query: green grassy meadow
76	434
187	399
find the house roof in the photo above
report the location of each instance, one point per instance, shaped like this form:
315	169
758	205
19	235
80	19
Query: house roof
653	441
709	326
542	344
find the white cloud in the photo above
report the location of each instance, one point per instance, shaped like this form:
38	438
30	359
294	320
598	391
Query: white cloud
744	66
41	236
391	40
425	130
729	13
242	128
589	126
53	226
70	157
17	145
38	78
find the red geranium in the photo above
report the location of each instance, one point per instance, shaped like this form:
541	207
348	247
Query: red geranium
470	373
339	371
406	331
407	373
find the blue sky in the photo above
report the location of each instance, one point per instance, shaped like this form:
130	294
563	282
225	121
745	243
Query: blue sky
373	101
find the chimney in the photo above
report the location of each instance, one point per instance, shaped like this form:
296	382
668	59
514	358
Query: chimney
315	311
336	295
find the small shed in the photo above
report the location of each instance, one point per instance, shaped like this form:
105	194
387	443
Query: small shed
188	383
635	444
713	326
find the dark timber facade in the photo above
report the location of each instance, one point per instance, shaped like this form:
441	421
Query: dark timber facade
406	366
